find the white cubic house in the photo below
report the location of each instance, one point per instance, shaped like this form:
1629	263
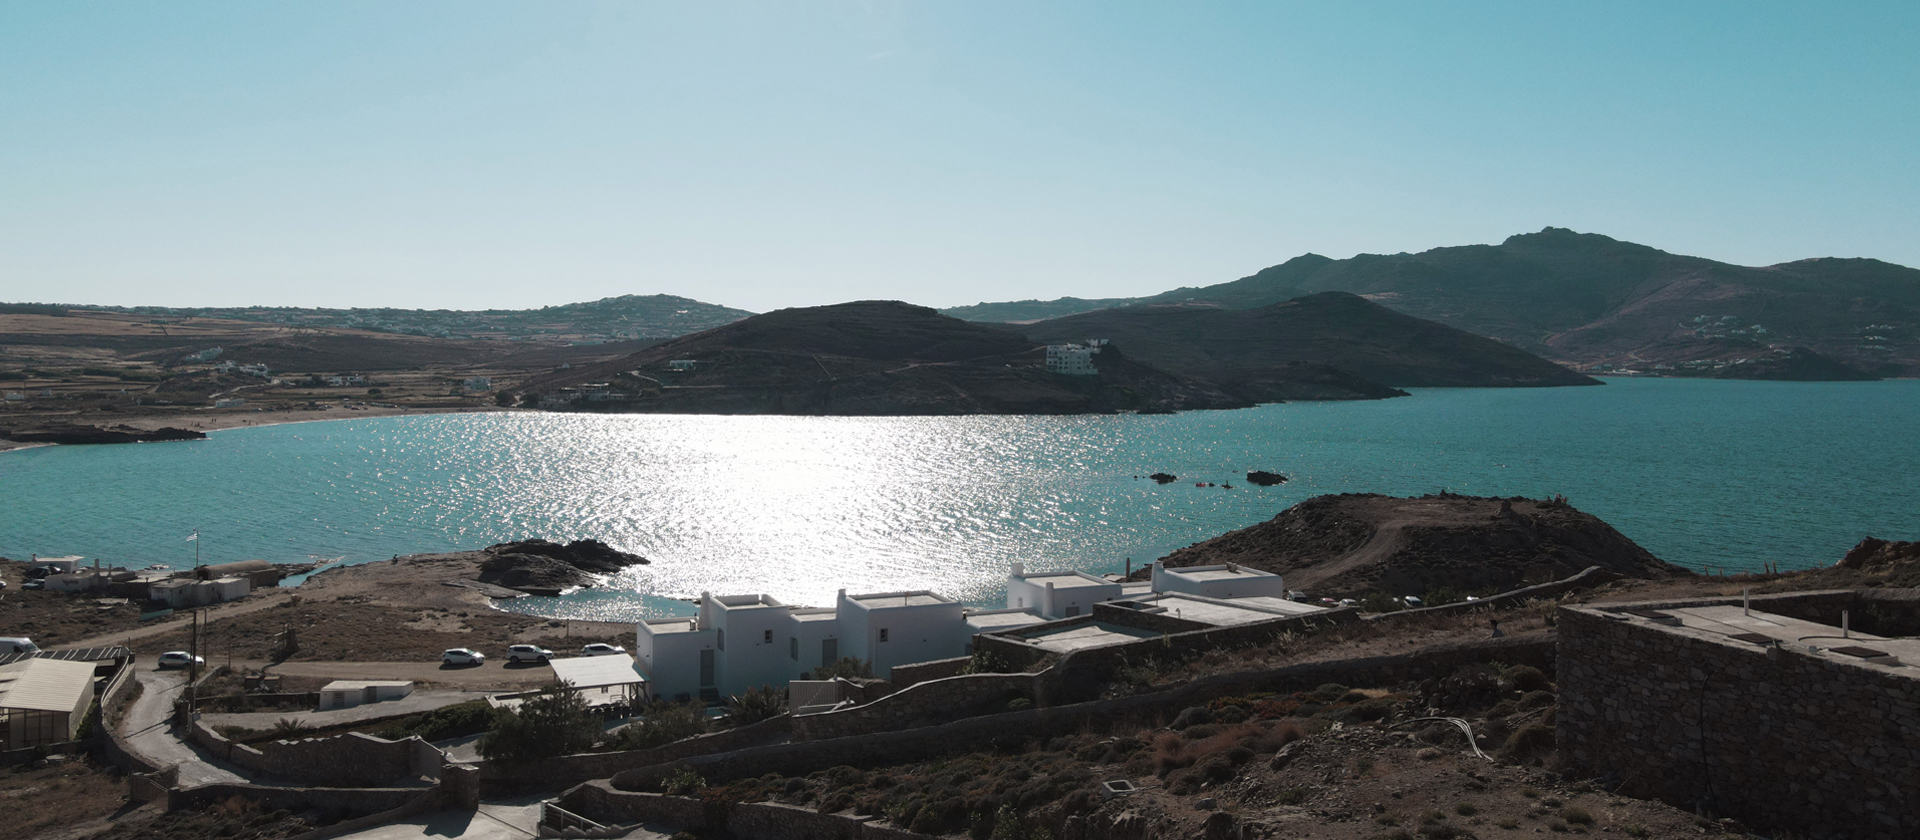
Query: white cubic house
740	642
1227	580
1061	594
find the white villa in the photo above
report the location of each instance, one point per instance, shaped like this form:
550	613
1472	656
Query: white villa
1071	359
740	642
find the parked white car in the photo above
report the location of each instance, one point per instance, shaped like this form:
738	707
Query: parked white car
599	649
528	653
180	659
462	656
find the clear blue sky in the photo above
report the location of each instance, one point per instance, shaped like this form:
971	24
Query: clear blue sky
475	154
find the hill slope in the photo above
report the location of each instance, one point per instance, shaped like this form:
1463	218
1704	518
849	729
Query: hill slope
1242	348
1352	544
1593	300
870	358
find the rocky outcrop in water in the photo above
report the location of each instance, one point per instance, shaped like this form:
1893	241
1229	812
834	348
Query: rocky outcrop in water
543	567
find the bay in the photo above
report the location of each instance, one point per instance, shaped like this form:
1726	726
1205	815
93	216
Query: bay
1705	474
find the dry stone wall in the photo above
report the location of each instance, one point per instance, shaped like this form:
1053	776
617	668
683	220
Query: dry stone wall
349	760
762	821
922	704
560	772
1772	736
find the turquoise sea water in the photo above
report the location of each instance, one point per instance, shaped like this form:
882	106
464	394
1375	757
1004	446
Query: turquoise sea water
1702	473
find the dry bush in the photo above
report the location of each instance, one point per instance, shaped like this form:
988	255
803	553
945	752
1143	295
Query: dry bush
1242	742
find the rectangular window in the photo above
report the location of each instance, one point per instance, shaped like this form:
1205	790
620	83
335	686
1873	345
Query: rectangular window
766	637
795	652
829	651
720	638
1073	611
883	634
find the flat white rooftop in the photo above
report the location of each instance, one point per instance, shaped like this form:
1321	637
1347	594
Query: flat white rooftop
1064	579
899	599
1094	634
989	621
1220	612
586	672
1738	626
360	685
663	626
734	602
1218	573
816	614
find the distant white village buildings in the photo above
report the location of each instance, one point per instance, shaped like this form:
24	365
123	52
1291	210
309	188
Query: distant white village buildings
739	642
1073	359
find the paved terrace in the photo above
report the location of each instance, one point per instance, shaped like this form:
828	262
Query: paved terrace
1736	625
1094	634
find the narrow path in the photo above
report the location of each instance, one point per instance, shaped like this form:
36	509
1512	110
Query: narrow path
149	732
261	599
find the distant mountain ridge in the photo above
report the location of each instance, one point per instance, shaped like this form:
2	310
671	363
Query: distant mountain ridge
893	358
866	358
626	317
1239	348
1602	303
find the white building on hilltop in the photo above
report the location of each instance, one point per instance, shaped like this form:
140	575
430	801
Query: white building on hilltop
1071	360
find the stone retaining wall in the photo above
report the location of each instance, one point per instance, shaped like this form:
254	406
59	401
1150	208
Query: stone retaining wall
903	676
1589	577
1014	728
329	801
109	744
351	760
1773	736
922	704
761	821
560	772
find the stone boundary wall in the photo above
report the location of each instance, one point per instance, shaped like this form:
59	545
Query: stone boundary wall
1012	728
110	745
426	802
761	821
1589	577
1772	735
922	704
904	676
351	760
1079	674
355	802
560	772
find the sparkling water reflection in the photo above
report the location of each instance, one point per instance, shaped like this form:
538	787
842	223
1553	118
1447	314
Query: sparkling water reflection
1730	474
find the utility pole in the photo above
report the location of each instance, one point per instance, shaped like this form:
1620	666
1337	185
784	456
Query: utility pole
193	659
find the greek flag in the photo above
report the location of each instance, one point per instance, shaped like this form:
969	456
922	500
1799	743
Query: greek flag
196	535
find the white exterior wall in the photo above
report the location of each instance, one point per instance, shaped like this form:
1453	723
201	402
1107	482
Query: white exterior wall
1070	359
671	659
809	637
914	633
753	639
1245	583
1038	593
231	588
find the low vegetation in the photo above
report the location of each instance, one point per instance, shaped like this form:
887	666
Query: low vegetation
555	722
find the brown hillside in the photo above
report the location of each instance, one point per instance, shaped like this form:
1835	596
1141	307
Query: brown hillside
1352	544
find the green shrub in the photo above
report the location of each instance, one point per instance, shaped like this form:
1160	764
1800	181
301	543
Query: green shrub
756	704
845	666
556	722
682	782
1466	809
1295	796
664	723
1576	815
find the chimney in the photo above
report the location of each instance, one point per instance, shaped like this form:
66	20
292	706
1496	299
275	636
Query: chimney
1018	568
